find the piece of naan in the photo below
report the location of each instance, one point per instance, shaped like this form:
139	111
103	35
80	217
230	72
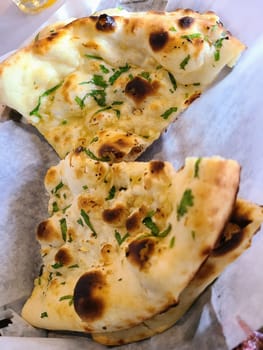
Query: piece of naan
113	83
245	221
118	232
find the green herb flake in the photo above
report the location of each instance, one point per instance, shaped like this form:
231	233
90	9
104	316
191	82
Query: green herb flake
44	314
67	297
70	239
99	81
102	110
66	208
85	187
196	84
165	232
159	67
99	96
218	45
94	157
111	194
95	139
80	102
217	55
63	228
57	188
148	222
48	92
104	69
118	113
191	36
93	57
193	234
58	274
75	266
186	201
118	73
80	222
197	165
64	122
172	80
168	112
37	37
131	77
86	219
185	62
173	29
57	265
172	242
120	239
55	207
145	75
117	103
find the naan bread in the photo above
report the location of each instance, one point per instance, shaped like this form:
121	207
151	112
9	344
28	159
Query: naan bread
114	83
119	232
245	221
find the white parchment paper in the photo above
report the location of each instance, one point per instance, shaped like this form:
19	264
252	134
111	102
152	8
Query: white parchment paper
227	120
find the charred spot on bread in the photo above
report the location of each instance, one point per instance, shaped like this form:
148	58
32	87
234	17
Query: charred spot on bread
185	22
156	166
158	40
138	89
114	215
63	256
105	23
47	232
140	251
89	297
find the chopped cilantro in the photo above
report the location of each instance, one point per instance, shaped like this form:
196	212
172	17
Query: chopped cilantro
117	103
185	62
172	241
165	232
218	45
168	112
85	187
193	234
191	36
86	219
95	139
197	164
63	228
173	29
159	66
57	265
118	73
57	188
44	314
94	157
80	222
67	297
80	101
145	75
104	69
102	110
48	92
118	113
111	194
148	222
75	266
120	239
66	208
99	81
196	84
173	80
99	96
187	200
55	207
93	56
